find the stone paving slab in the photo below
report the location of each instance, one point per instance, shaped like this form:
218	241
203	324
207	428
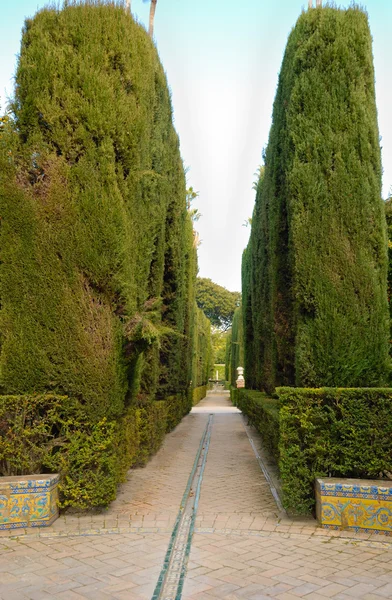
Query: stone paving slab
287	566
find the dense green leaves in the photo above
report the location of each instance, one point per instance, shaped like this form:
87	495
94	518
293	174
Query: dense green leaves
217	303
202	349
336	432
321	432
47	433
98	260
235	347
219	340
388	214
314	274
263	413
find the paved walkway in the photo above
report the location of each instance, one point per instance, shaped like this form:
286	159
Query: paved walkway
243	547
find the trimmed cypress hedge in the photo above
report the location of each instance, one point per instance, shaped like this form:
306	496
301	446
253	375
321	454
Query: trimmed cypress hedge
388	215
236	351
198	394
263	413
314	274
228	358
335	432
322	432
98	259
202	349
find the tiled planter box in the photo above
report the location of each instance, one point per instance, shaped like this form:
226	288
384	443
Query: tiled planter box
28	501
357	504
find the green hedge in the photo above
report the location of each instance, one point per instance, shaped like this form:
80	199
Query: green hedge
178	406
388	215
320	433
198	394
336	432
236	341
46	433
98	269
263	413
315	271
202	349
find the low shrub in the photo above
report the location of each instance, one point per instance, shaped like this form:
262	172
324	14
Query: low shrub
263	413
53	434
47	433
332	432
234	394
178	406
152	429
336	432
198	394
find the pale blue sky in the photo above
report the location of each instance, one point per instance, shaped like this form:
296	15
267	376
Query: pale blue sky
222	59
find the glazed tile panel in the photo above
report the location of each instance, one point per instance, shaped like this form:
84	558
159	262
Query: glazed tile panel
28	501
358	504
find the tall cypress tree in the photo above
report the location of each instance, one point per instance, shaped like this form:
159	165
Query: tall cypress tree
98	260
318	248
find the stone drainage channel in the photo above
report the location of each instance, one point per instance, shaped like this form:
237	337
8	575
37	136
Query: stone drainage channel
172	576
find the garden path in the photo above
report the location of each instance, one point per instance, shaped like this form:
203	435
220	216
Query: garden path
243	546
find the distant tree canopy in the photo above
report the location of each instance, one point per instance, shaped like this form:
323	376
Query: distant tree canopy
217	303
219	342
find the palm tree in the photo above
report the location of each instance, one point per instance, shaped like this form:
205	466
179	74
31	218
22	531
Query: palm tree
153	7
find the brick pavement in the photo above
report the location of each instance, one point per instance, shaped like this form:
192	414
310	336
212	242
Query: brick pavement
242	546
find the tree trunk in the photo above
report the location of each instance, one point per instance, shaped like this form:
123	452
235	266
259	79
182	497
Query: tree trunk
319	3
153	7
128	5
310	3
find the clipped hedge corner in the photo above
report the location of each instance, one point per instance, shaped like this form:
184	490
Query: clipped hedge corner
332	432
198	394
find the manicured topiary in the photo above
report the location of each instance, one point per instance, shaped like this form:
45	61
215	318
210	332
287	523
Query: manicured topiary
335	432
315	269
388	215
202	349
236	341
98	259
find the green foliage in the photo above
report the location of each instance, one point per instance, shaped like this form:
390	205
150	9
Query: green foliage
219	340
152	429
47	433
388	215
202	349
51	433
263	413
321	432
178	406
217	303
332	432
198	394
314	274
98	271
228	357
236	352
220	371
